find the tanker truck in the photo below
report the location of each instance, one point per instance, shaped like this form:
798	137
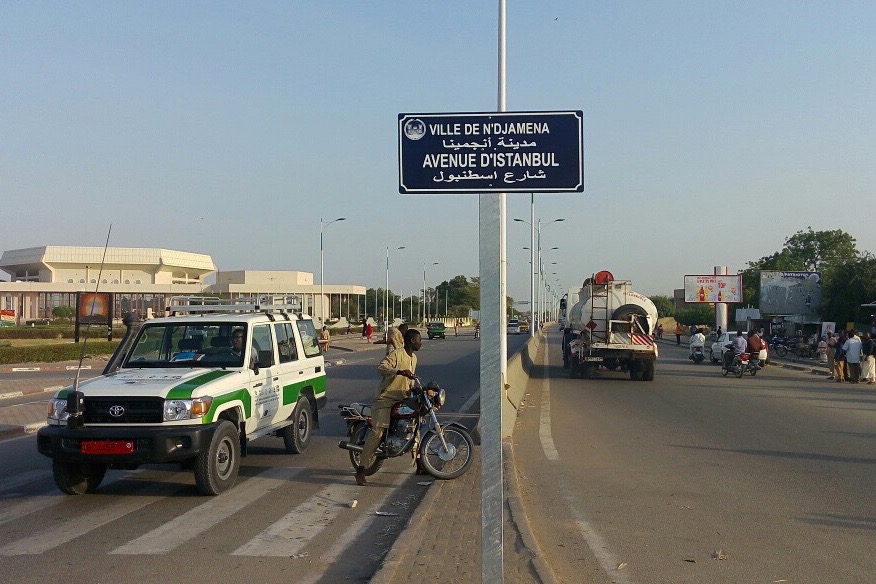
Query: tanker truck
610	327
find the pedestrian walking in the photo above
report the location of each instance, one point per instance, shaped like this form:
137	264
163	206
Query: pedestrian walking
369	331
659	331
868	359
679	330
324	339
852	347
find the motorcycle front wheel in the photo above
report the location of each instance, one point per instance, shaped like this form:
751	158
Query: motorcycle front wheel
451	462
781	350
357	437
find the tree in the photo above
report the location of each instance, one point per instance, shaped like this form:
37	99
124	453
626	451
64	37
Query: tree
665	305
698	314
65	312
852	284
817	251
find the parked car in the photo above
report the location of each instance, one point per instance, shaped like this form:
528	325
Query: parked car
719	346
513	326
436	329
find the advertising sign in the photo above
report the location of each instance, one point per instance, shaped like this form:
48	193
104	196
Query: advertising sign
790	293
713	288
491	152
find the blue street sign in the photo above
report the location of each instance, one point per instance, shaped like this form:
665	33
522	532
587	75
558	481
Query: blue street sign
491	152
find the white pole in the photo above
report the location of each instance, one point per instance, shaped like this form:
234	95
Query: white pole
493	357
532	313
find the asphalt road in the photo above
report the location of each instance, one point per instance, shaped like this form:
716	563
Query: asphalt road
696	477
288	518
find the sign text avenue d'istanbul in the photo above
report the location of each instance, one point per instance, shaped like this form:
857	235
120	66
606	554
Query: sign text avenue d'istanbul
491	152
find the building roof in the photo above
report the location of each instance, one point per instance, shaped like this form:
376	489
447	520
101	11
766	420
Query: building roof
33	258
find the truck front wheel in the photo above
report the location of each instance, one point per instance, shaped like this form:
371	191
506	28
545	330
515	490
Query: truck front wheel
75	478
216	467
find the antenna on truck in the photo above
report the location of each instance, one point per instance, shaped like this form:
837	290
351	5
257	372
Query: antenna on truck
88	324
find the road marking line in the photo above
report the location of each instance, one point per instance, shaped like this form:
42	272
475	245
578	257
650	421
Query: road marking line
53	388
23	478
75	367
198	520
11	394
78	525
544	423
18	510
289	535
24	369
33	427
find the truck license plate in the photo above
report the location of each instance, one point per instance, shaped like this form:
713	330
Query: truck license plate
107	447
595	359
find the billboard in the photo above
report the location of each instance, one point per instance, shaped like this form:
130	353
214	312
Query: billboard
497	152
790	293
713	288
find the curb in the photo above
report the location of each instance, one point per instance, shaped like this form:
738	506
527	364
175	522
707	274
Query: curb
519	518
15	431
399	549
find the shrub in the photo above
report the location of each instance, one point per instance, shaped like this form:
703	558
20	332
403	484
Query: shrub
55	353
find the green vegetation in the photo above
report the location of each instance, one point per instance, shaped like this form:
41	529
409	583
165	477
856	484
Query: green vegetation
51	353
848	275
665	305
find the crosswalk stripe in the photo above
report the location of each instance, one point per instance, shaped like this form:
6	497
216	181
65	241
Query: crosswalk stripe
25	477
81	524
195	522
289	535
18	510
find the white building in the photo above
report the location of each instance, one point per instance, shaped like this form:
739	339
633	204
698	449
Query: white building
142	280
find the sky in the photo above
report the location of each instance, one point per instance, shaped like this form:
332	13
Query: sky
712	131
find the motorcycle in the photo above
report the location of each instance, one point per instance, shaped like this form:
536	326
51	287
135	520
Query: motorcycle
477	331
444	450
740	365
697	356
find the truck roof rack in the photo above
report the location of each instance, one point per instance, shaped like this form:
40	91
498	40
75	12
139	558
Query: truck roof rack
212	305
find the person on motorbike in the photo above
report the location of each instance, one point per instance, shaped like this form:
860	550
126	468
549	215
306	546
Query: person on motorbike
397	372
697	340
737	347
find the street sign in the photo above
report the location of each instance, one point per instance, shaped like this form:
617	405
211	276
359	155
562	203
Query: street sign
491	152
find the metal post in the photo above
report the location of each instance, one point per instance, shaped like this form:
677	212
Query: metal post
493	361
532	313
321	267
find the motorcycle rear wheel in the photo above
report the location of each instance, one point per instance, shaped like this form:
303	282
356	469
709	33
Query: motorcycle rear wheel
781	350
357	437
740	369
432	450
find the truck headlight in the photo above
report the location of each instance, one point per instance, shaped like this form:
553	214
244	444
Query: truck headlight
57	410
177	409
184	409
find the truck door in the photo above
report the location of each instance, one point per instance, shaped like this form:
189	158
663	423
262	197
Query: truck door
264	385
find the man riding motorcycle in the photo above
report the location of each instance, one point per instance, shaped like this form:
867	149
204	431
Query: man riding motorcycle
697	340
738	347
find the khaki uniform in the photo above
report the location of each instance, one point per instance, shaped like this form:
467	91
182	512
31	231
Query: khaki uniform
393	388
395	341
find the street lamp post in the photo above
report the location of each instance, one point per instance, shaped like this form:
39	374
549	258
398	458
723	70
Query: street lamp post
535	254
322	225
424	290
386	291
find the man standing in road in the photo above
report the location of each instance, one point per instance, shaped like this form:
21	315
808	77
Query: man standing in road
852	347
868	358
831	352
679	329
397	370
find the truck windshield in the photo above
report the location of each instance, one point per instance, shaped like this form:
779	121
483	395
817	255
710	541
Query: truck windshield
200	344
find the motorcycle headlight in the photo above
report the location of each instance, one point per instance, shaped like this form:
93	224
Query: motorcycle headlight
57	411
439	396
